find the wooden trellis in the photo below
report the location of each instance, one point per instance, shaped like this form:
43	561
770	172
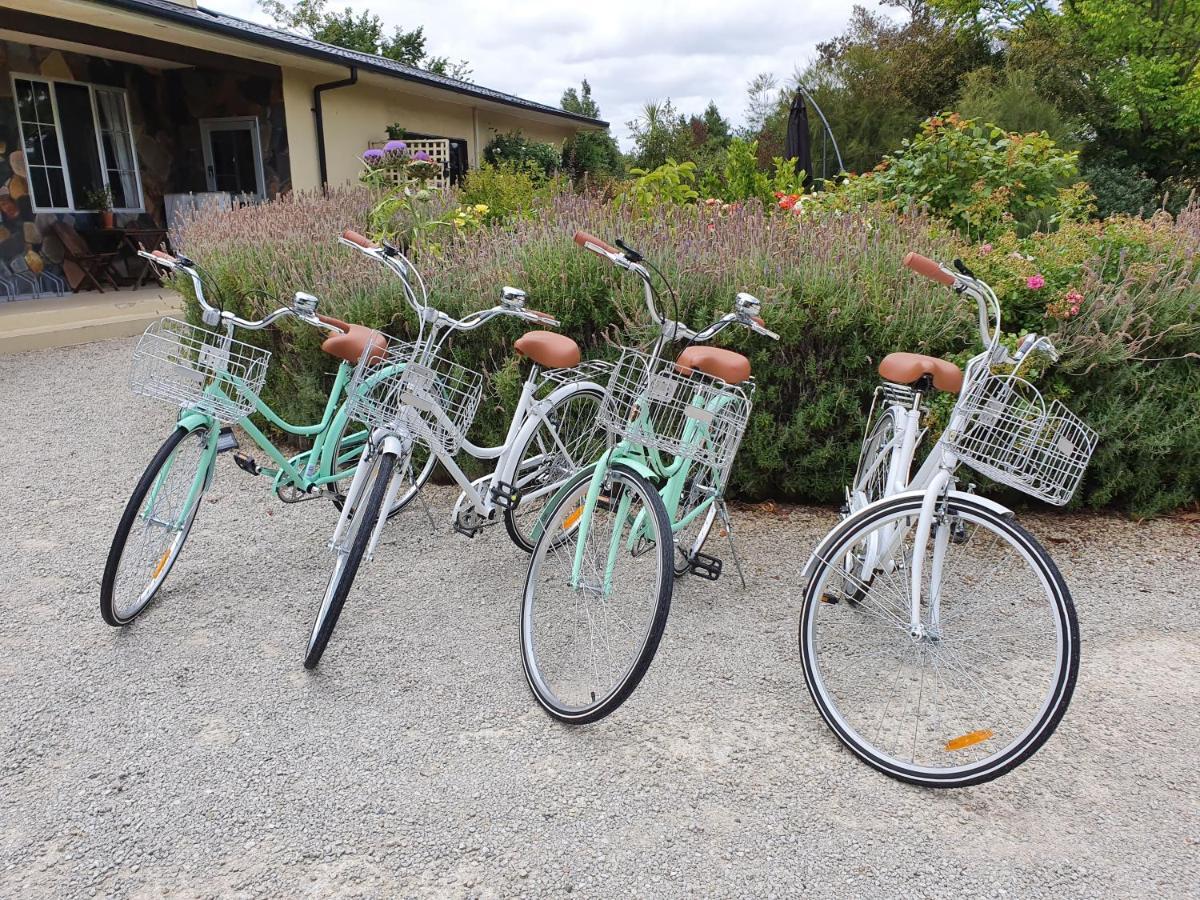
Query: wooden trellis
438	150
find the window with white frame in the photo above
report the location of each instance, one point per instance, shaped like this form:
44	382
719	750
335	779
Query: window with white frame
78	141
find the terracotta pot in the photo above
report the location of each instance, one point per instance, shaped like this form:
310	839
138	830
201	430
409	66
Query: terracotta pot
106	218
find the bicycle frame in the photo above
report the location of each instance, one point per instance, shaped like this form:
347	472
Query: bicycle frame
934	481
648	462
527	416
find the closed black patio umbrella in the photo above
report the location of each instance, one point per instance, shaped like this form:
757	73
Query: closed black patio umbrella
797	145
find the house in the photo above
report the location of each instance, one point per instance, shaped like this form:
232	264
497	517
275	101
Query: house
155	99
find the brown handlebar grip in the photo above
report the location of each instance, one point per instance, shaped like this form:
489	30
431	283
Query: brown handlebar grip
758	320
923	265
162	254
355	238
582	238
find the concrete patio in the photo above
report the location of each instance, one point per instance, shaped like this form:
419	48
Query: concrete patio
81	318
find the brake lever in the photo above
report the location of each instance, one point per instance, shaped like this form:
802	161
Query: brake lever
630	254
962	268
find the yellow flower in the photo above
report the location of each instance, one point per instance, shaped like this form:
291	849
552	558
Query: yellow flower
481	208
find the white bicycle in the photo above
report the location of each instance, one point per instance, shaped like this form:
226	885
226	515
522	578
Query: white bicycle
419	405
938	638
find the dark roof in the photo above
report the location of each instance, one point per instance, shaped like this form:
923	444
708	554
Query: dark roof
219	23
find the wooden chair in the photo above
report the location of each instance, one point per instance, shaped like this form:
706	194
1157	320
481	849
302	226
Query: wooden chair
81	265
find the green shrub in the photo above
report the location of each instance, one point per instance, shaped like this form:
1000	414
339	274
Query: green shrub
506	189
1120	188
979	177
514	148
671	183
831	285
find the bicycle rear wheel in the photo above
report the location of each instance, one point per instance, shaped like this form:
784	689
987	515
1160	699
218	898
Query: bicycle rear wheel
587	641
870	484
349	550
567	439
155	524
979	689
703	486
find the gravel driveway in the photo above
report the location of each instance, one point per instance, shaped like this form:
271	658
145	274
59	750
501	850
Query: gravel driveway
192	755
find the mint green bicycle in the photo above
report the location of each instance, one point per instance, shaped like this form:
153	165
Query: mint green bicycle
611	542
215	379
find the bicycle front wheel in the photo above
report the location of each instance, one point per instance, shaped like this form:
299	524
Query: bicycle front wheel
567	439
416	471
989	673
350	548
590	628
155	525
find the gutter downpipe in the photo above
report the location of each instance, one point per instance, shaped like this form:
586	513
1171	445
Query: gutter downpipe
318	113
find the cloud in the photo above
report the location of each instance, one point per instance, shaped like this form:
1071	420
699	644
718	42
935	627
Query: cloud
631	51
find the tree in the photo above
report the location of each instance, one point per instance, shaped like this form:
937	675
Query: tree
761	99
717	129
879	78
659	133
1129	68
588	152
362	32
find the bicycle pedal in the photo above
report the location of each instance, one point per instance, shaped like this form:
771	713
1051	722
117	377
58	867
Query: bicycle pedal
247	463
466	531
505	496
226	440
705	566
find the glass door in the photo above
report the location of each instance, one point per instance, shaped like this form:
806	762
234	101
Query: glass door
233	156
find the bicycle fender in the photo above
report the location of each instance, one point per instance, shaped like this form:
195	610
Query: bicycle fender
638	466
190	421
821	549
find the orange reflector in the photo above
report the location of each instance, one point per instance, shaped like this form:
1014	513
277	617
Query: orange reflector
161	563
969	740
572	518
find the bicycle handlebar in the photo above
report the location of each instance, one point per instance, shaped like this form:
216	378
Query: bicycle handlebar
628	259
401	266
212	316
591	242
963	283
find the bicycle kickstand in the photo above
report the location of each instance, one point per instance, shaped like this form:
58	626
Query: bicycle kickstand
723	512
412	479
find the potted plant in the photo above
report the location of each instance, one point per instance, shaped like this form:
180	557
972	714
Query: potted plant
101	200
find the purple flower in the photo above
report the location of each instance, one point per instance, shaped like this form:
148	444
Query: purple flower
372	157
421	156
1035	282
395	147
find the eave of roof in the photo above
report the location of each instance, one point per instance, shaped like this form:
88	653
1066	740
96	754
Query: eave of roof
231	26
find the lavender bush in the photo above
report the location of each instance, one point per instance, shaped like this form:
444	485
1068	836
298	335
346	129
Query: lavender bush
831	285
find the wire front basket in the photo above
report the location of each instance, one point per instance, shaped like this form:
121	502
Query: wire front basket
1004	429
651	403
435	400
193	368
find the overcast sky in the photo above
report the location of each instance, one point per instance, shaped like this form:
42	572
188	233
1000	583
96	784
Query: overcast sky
630	51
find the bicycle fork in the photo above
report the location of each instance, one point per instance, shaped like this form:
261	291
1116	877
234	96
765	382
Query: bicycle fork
935	494
389	444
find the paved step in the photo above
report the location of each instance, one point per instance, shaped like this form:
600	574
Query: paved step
79	319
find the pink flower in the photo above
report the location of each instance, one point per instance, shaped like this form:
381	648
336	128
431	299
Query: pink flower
1035	282
986	249
712	227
